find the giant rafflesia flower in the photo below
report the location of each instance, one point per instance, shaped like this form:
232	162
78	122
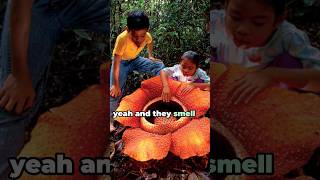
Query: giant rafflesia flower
153	137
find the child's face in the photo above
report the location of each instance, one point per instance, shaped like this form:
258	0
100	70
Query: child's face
188	68
250	22
138	36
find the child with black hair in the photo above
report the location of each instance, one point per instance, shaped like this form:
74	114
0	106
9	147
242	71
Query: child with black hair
254	33
187	71
126	57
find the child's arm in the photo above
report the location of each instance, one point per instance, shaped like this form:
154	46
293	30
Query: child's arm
191	86
296	78
17	92
251	84
115	90
166	94
150	51
202	86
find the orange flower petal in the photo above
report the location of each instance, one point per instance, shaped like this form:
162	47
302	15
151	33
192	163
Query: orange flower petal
197	100
83	106
144	146
153	87
77	129
133	102
192	139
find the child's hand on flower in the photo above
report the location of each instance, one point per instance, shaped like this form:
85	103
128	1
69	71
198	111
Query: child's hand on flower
187	89
246	87
166	94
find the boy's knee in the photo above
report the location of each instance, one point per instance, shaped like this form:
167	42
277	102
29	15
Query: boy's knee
26	117
160	66
115	99
114	103
6	117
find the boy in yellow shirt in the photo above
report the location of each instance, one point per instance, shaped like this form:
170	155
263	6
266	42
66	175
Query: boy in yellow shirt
126	57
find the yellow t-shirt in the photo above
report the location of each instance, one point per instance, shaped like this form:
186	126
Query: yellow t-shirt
126	48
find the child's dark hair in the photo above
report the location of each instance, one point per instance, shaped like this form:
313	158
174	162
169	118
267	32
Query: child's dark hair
137	20
279	6
193	56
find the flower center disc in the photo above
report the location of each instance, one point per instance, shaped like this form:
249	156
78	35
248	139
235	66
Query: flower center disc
163	124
